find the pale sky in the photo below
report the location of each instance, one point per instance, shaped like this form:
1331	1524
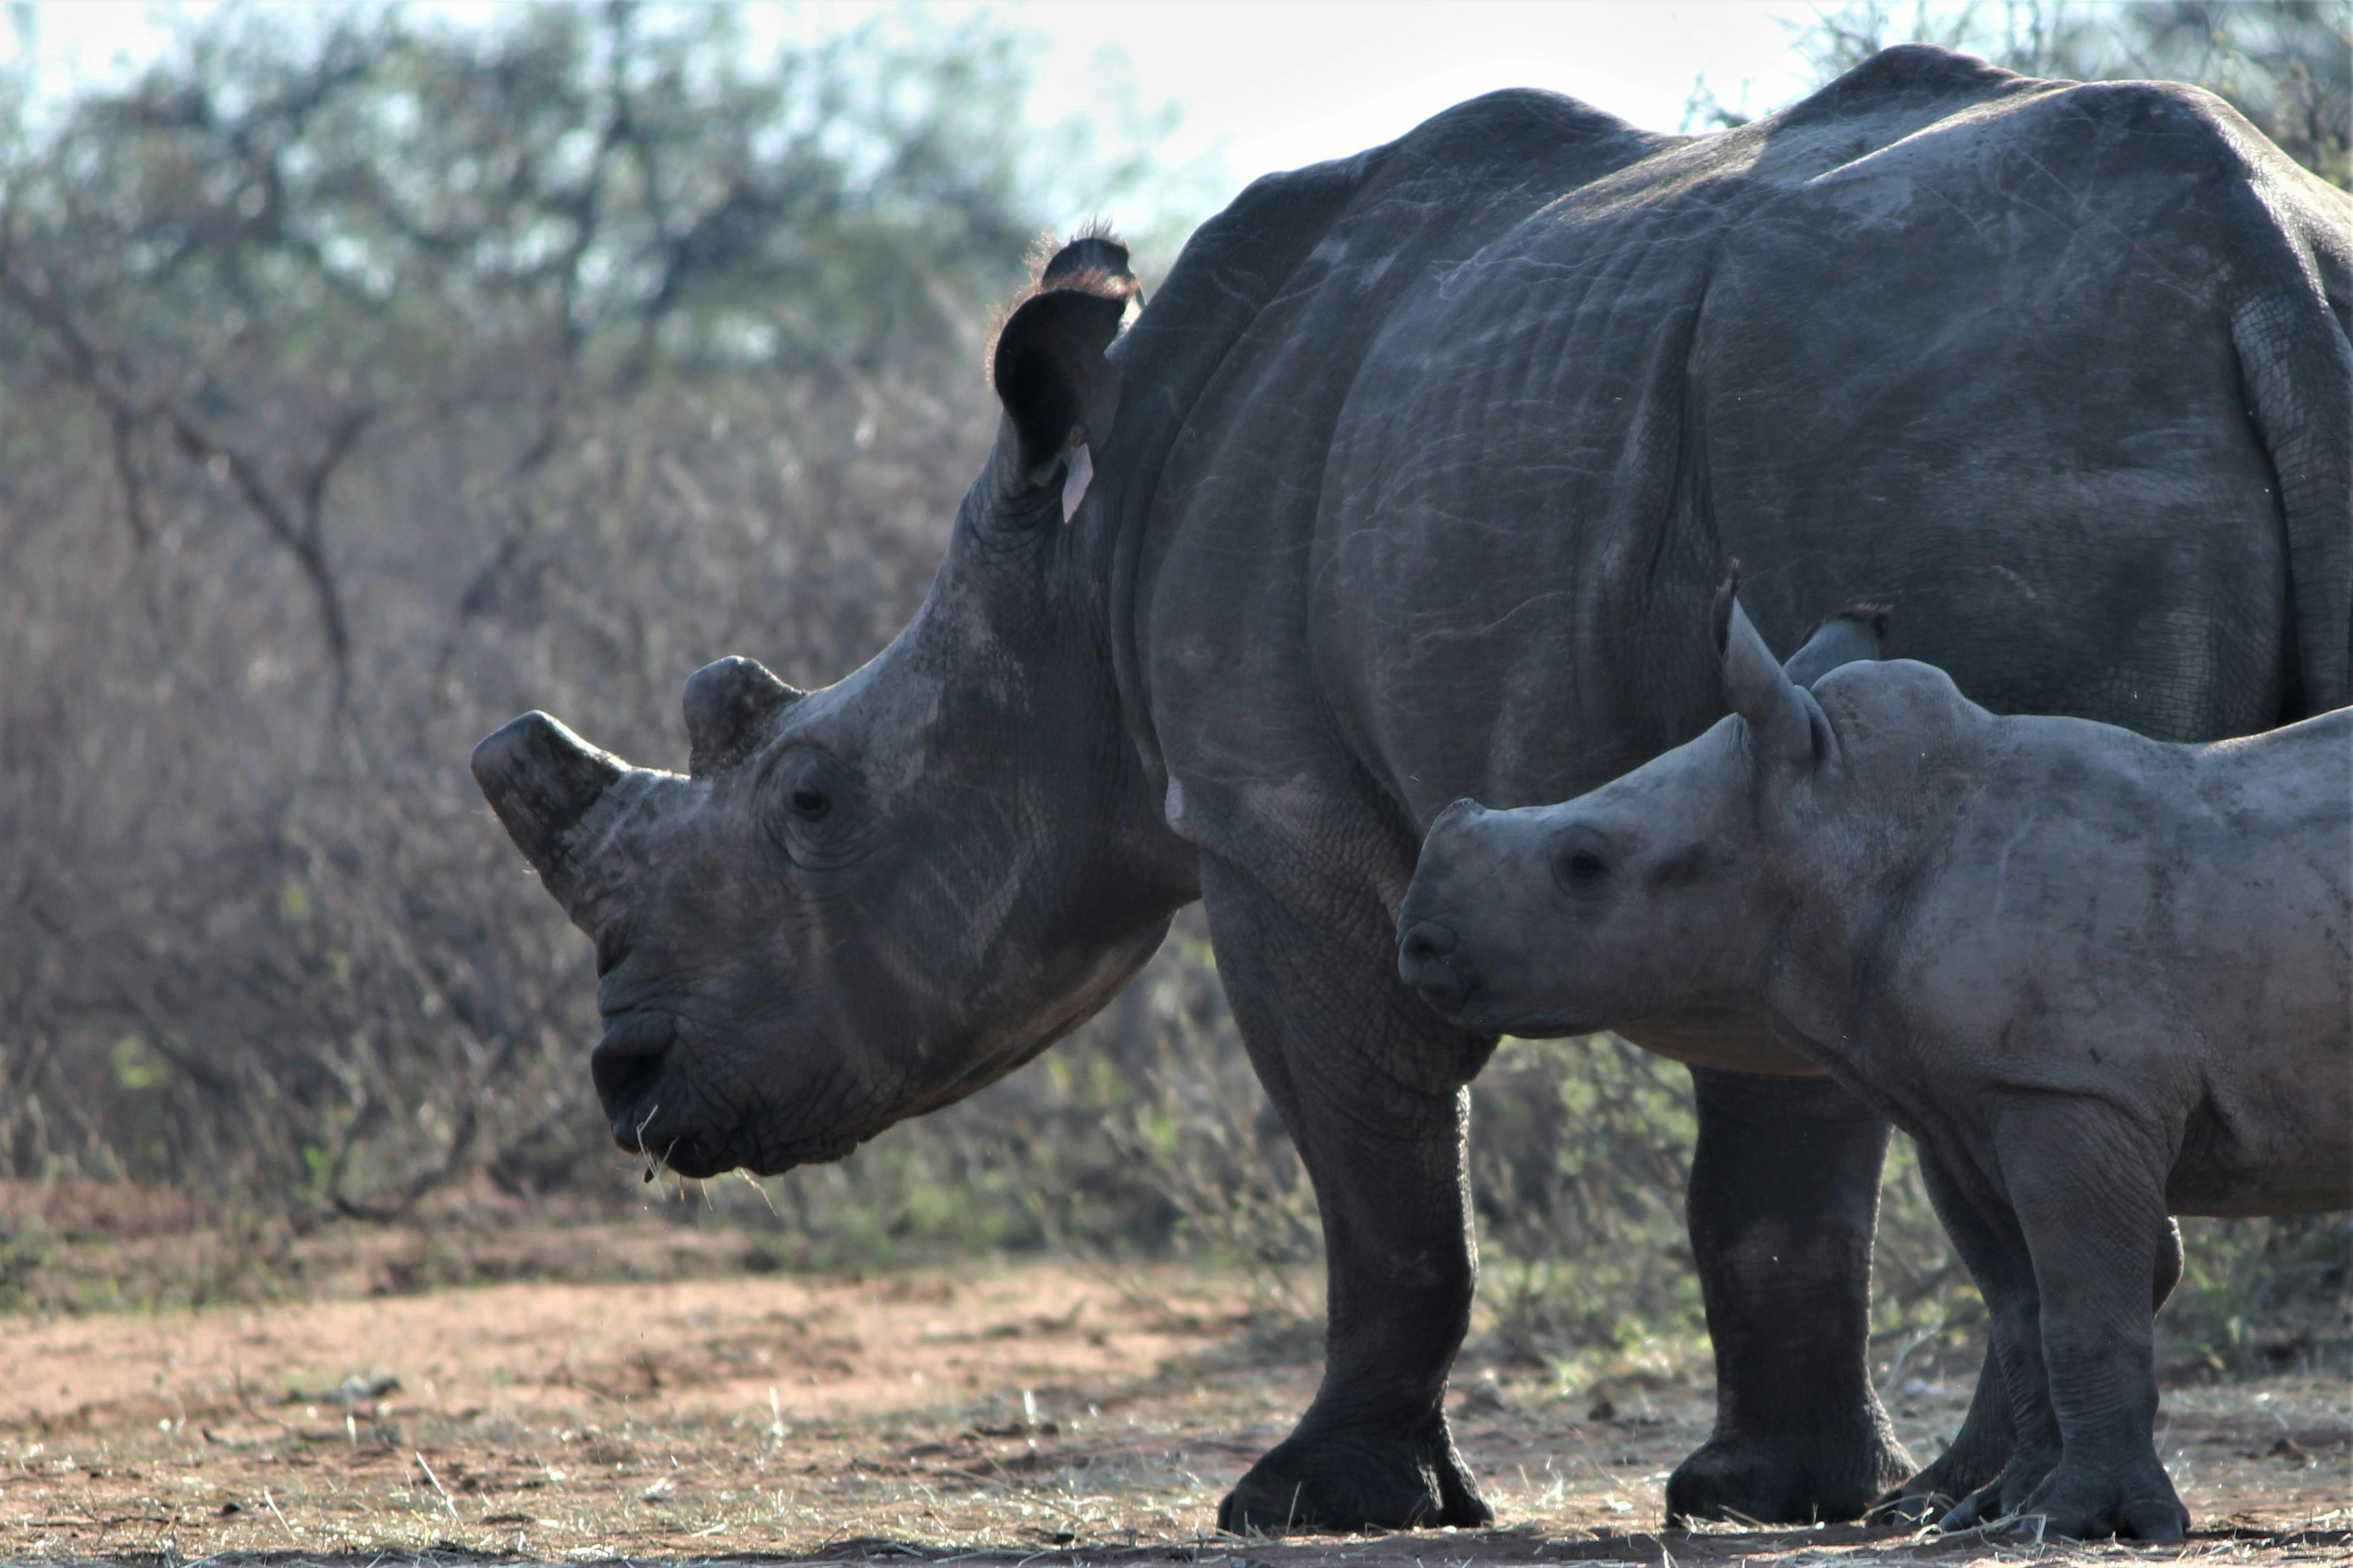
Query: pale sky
1261	84
1284	82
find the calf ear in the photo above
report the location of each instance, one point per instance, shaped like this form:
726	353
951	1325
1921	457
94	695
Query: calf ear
1757	688
1058	393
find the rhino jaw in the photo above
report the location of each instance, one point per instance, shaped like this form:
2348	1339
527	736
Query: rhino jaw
542	780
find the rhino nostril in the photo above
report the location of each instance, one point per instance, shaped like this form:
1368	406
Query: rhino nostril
626	1062
1431	961
1427	941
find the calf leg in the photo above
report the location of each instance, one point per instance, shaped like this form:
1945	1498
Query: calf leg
1986	1440
1784	1199
1994	1251
1370	1087
1996	1256
2088	1187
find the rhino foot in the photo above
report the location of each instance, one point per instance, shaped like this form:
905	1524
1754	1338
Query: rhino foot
2090	1503
1977	1455
1355	1480
2007	1491
1787	1478
1955	1476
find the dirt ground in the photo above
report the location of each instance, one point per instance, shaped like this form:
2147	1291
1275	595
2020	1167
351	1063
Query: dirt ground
1039	1413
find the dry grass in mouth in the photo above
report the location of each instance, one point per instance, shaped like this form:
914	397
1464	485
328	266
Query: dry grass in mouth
1038	1413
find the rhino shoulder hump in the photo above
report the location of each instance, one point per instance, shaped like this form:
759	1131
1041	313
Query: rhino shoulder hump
1905	74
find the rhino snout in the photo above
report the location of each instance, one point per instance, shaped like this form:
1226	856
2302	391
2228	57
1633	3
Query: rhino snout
542	779
1431	959
626	1066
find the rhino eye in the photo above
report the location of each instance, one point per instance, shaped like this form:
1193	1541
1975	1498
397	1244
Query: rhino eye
1581	862
815	810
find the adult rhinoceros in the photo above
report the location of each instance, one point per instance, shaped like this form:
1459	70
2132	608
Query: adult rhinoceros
1409	485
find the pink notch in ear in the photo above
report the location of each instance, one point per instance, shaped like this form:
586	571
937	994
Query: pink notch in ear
1080	473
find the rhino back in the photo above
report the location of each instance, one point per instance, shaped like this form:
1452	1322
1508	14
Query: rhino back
2275	1128
1225	506
1446	517
2164	929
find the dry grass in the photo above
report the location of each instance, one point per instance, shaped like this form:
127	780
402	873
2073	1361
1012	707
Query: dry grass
1035	1413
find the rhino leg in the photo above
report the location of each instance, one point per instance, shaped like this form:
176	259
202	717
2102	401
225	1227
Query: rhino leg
1994	1252
1987	1236
1993	1249
1784	1199
1977	1454
2089	1191
1370	1087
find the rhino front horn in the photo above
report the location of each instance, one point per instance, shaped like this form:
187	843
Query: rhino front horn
728	703
542	779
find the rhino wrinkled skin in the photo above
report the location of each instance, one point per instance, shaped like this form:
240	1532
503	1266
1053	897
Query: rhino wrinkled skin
2098	978
1405	486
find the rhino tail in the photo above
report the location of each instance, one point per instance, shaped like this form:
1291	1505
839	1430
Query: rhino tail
2296	365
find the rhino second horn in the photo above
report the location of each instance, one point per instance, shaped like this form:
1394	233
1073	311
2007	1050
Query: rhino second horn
542	779
728	704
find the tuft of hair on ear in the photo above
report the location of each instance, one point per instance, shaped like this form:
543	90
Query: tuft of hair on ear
1719	615
1093	252
1870	613
1093	262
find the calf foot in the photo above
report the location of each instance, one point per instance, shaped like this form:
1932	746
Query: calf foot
1792	1478
1354	1479
2138	1504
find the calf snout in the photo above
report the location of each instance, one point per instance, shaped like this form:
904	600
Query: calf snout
1431	959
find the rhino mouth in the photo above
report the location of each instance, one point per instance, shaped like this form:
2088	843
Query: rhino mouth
675	1144
699	1155
656	1112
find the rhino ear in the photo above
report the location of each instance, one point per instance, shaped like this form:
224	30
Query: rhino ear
1779	714
728	702
1858	632
1058	393
1089	256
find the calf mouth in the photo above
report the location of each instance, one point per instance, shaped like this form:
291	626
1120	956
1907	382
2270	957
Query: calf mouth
1432	959
1441	966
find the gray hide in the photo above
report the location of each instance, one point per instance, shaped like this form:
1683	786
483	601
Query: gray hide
1407	486
2097	977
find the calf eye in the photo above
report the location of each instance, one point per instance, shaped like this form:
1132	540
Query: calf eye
810	805
1581	862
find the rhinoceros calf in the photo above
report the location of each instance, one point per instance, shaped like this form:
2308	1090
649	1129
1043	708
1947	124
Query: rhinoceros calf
2098	978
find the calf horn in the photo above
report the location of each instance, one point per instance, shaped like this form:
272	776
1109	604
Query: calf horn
542	780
